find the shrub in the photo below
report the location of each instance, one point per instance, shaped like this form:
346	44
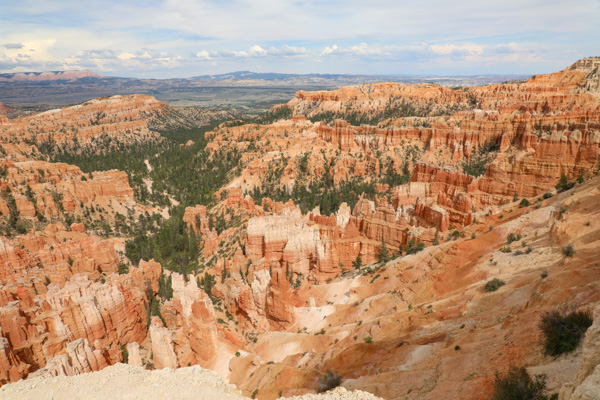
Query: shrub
563	331
123	269
494	284
518	384
547	195
369	340
329	381
568	250
524	203
562	210
511	237
357	263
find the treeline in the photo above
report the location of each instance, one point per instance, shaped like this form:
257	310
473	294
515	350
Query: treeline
192	174
171	243
322	191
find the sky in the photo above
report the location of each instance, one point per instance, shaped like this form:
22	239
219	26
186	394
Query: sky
184	38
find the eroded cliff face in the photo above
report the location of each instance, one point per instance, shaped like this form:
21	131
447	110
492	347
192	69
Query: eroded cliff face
95	126
74	327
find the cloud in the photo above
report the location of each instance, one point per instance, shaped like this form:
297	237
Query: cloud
352	36
255	51
13	46
457	49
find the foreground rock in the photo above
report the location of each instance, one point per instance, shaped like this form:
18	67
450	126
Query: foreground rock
127	382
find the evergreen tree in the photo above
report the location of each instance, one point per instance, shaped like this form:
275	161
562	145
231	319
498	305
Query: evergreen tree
383	253
224	274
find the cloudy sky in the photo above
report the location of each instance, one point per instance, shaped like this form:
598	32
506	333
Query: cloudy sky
183	38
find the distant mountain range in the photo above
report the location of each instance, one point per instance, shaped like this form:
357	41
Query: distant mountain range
244	90
47	76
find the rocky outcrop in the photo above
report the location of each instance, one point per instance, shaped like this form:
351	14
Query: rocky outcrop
197	323
3	111
162	345
378	100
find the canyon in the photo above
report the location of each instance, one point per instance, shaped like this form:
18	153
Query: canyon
355	232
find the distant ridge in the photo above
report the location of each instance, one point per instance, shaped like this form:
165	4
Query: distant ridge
274	76
47	76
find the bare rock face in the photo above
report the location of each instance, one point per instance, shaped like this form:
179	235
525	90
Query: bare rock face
79	358
196	321
133	351
162	345
11	368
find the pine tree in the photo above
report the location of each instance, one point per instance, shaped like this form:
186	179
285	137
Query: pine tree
383	253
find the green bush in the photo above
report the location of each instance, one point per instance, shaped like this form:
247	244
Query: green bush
511	237
517	384
524	203
568	250
494	284
329	381
563	331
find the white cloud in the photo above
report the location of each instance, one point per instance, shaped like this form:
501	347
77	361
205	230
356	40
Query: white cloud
203	55
330	50
462	49
257	51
